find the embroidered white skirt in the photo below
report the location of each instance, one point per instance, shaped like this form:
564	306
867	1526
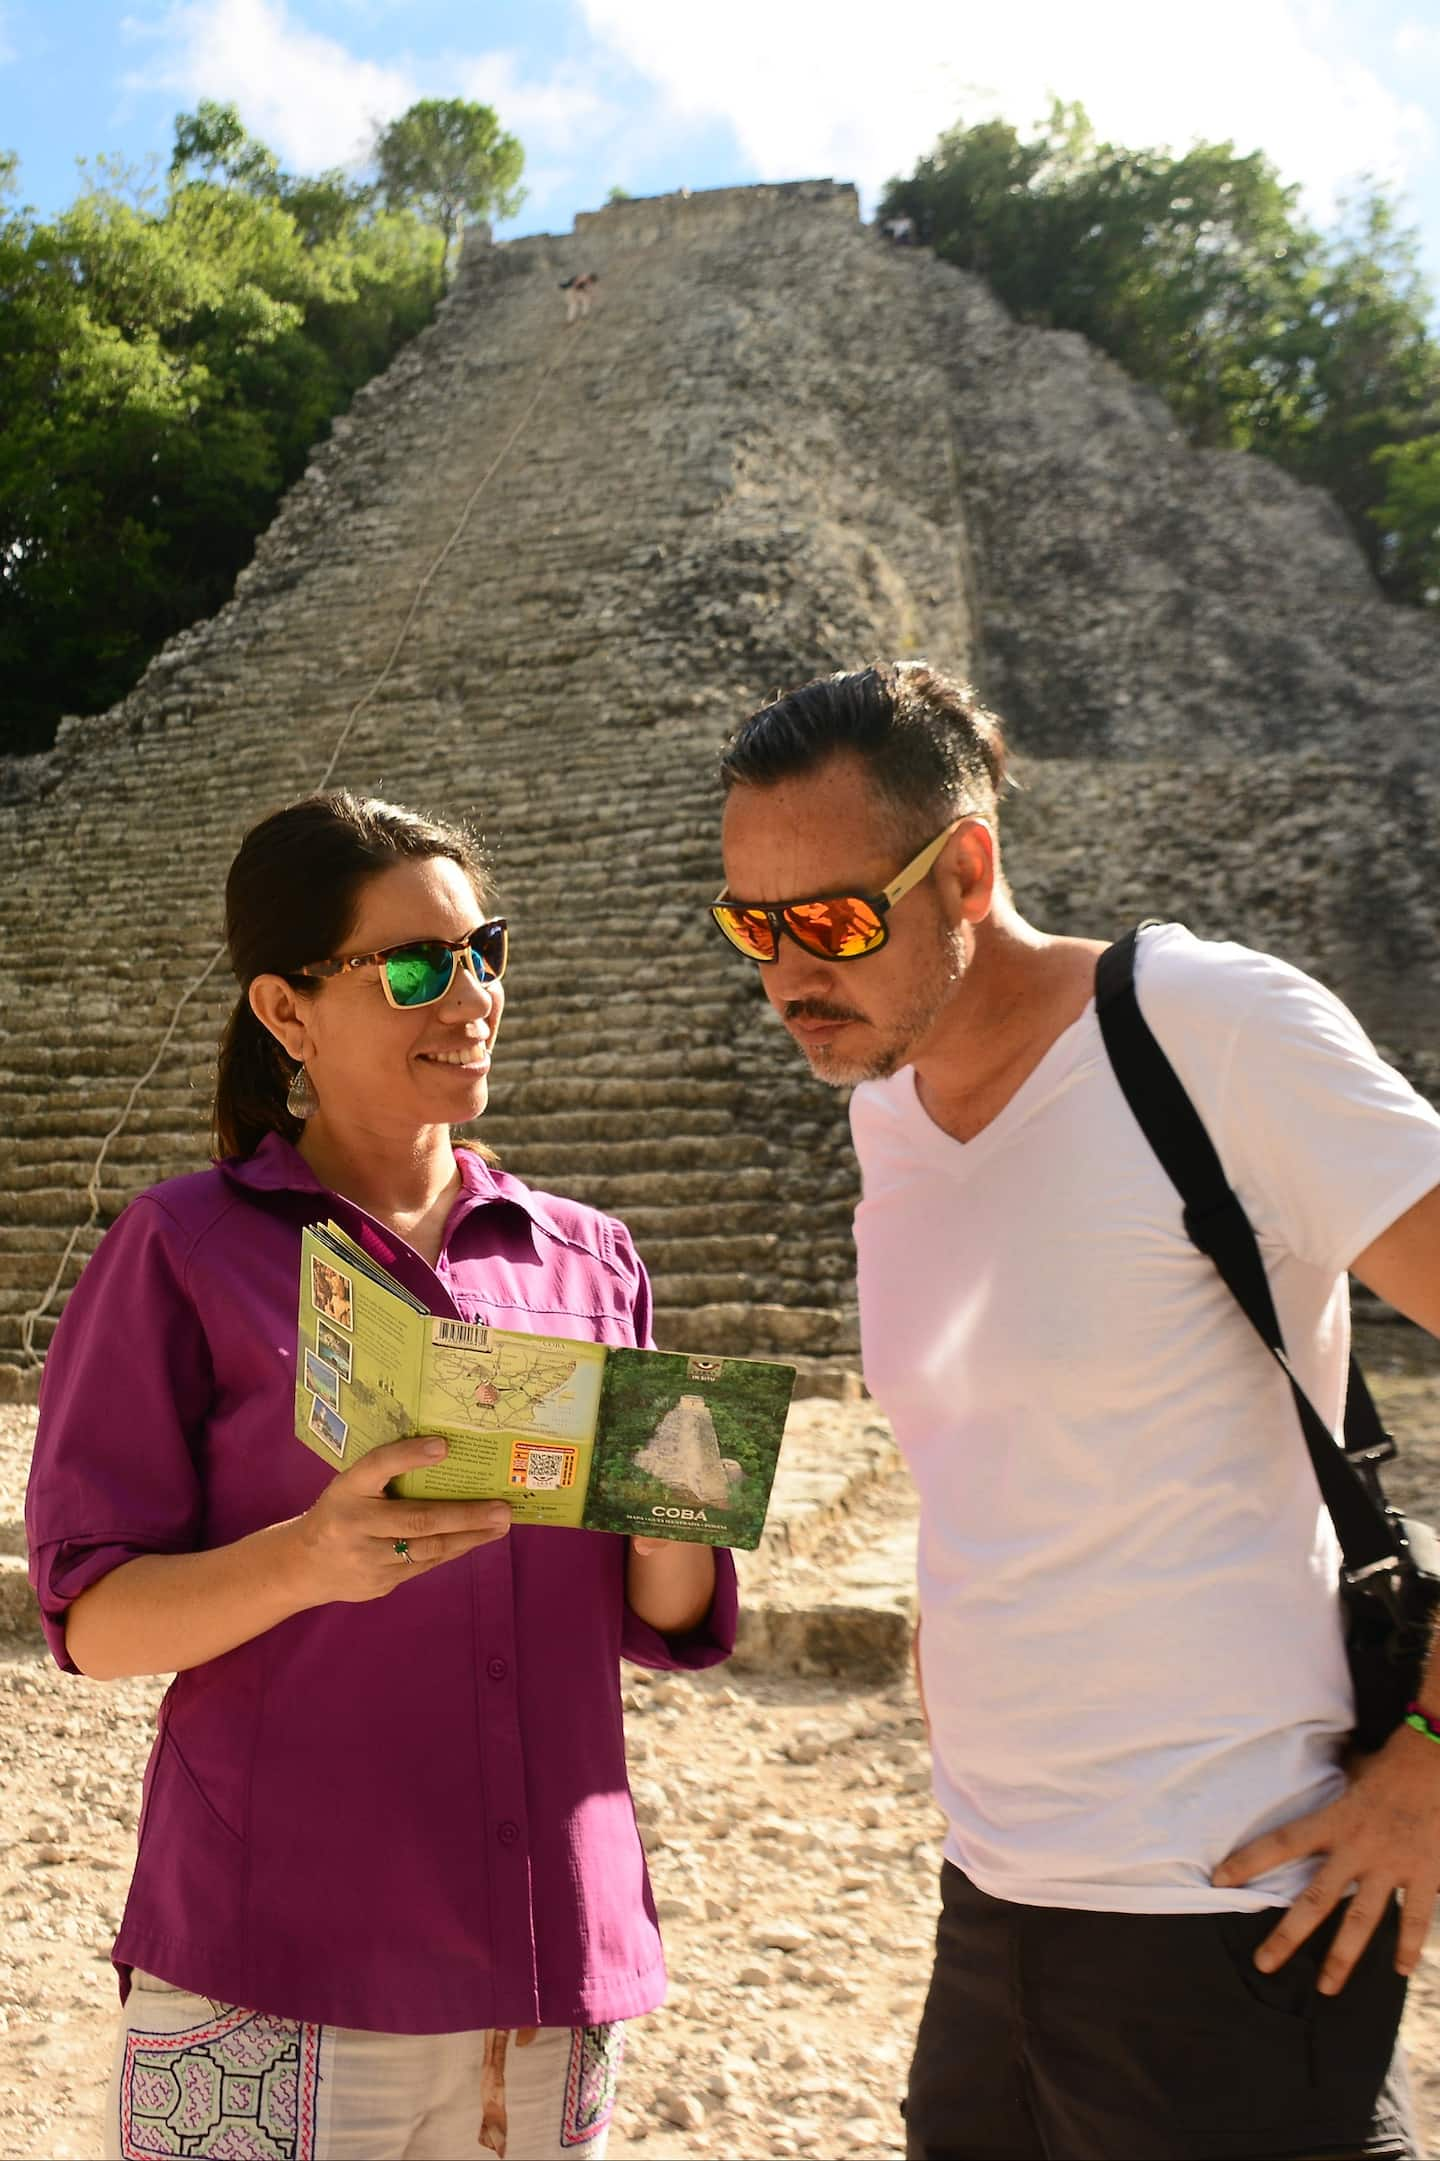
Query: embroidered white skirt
203	2078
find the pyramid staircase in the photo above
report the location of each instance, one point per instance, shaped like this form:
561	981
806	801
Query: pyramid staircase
532	579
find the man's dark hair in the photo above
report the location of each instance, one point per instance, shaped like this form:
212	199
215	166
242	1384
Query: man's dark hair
929	744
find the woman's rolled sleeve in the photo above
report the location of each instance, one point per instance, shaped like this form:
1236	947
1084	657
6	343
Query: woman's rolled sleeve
126	1388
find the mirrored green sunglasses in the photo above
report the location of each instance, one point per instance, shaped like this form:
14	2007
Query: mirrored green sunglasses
422	972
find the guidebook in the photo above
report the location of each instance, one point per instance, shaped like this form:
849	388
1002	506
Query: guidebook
582	1434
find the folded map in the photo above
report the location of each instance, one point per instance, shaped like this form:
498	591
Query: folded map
586	1435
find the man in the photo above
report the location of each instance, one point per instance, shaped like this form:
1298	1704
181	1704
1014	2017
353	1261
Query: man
1132	1663
579	291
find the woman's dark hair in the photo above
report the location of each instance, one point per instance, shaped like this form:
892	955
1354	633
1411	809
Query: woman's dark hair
929	743
291	896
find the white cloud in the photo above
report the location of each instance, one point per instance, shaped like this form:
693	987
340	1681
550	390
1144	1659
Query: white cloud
554	113
317	103
858	92
304	94
1418	41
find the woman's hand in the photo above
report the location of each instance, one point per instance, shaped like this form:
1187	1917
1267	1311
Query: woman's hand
347	1542
167	1612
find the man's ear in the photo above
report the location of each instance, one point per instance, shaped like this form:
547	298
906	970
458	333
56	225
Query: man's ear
968	873
278	1006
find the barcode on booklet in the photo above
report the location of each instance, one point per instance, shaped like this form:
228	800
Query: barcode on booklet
471	1335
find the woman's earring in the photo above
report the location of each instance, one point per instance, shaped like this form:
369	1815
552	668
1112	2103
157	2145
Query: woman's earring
300	1098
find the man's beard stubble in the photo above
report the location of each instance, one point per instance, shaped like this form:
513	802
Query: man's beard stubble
934	982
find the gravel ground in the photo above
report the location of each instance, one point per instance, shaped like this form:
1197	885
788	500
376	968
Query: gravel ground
794	1849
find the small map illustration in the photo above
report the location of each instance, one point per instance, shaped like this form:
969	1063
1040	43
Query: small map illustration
512	1385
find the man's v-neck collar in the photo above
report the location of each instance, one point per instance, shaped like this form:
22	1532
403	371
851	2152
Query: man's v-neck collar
1073	1047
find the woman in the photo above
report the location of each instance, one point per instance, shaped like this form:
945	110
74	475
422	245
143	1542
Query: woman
386	1822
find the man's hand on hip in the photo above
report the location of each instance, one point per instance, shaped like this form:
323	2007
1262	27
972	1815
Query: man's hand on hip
1381	1836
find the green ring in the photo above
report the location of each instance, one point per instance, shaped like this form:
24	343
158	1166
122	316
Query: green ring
401	1549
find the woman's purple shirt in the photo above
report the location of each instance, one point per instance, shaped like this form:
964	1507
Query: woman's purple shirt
410	1815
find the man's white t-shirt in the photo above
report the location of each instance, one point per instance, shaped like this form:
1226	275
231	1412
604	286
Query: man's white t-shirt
1131	1642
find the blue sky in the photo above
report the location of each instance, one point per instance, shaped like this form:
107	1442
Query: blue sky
660	94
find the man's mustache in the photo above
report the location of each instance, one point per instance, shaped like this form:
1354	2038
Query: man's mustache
817	1009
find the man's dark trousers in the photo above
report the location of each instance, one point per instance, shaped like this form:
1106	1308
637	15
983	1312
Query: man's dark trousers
1056	2034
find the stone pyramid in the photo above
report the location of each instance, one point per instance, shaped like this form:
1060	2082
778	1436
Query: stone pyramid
534	576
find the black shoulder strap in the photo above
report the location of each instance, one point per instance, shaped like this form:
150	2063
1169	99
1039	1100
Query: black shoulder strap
1219	1226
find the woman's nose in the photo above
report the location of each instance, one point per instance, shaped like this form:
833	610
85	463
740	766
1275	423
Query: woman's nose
472	990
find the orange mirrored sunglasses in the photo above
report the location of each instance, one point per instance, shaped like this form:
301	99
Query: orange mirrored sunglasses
833	926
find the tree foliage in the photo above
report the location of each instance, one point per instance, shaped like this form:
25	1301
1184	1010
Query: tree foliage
1199	275
167	364
448	159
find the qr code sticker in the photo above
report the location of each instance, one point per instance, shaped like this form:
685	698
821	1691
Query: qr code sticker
541	1470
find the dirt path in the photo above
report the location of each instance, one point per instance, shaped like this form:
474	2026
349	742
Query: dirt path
794	1848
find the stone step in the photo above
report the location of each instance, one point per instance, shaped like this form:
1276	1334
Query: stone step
24	1243
20	1290
54	1204
124	1172
19	1613
571	1021
554	1164
756	1269
686	1291
675	1256
747	1201
688	1189
29	1154
672	1142
29	1084
125	1051
681	1326
850	1607
727	1218
588	1127
758	1331
831	1587
63	1124
542	1094
13	1351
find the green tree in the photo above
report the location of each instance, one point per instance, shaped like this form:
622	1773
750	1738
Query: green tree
1180	268
167	367
1199	276
213	139
450	159
1369	388
1408	516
